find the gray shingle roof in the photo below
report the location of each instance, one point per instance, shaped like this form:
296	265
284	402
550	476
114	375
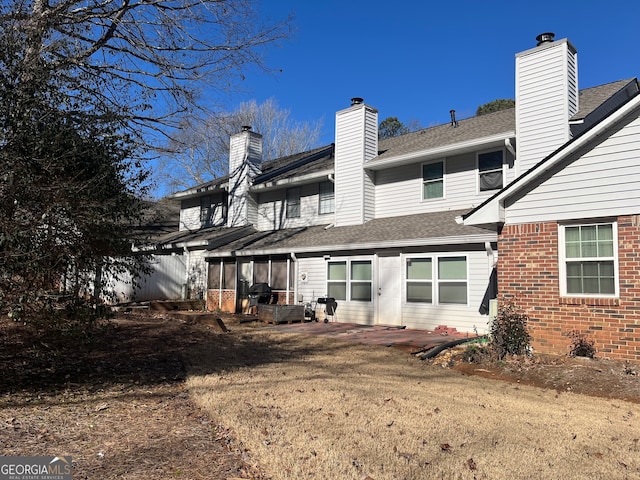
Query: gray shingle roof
419	228
496	123
471	128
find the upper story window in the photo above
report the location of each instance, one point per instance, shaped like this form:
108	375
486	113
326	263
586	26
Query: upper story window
293	202
588	256
326	198
205	211
433	180
490	172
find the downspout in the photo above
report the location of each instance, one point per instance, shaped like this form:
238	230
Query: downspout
221	276
185	285
510	147
490	255
295	285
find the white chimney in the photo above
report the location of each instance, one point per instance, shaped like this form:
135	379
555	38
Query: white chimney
546	98
245	157
356	142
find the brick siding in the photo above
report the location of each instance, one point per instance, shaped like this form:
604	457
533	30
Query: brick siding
528	276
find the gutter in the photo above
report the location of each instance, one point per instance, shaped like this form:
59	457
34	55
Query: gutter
457	240
451	149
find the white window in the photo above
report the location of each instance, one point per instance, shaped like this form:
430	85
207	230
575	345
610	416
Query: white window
490	172
350	280
442	280
433	180
293	202
326	198
588	256
452	280
420	280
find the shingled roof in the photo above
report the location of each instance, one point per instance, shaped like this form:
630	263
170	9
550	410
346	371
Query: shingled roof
321	159
420	229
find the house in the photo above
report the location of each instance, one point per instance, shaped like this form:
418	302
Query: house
569	225
406	231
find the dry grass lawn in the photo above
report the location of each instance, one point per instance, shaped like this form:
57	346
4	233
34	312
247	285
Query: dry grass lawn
309	407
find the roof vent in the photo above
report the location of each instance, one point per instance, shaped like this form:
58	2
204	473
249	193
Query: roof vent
454	122
356	101
545	38
246	128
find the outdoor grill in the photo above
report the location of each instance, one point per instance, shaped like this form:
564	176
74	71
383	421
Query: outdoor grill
259	293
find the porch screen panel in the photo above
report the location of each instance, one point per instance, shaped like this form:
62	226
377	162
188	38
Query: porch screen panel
213	276
261	271
229	275
278	274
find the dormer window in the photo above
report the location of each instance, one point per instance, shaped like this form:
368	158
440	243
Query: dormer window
490	172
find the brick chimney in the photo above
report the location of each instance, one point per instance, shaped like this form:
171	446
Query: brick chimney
245	157
546	98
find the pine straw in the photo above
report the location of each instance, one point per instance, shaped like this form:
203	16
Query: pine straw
308	407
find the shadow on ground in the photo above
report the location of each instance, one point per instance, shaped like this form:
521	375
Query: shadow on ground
132	349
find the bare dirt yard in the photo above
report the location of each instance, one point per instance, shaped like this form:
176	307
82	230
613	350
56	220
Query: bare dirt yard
155	398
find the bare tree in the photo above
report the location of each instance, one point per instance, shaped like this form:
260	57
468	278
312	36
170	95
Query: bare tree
84	85
199	152
149	59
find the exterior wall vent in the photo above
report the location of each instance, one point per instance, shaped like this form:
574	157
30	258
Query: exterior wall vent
545	38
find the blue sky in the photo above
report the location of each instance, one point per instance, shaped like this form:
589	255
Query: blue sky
416	60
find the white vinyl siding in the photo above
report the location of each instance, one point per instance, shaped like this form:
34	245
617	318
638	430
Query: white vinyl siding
602	183
399	189
272	204
356	142
546	97
191	212
588	259
463	317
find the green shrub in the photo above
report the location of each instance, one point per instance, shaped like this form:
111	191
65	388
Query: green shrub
509	333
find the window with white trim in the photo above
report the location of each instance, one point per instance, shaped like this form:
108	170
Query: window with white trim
420	280
337	280
452	280
433	180
589	259
326	198
293	202
441	280
490	172
350	280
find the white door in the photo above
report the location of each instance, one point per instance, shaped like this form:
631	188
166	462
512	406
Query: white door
389	291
